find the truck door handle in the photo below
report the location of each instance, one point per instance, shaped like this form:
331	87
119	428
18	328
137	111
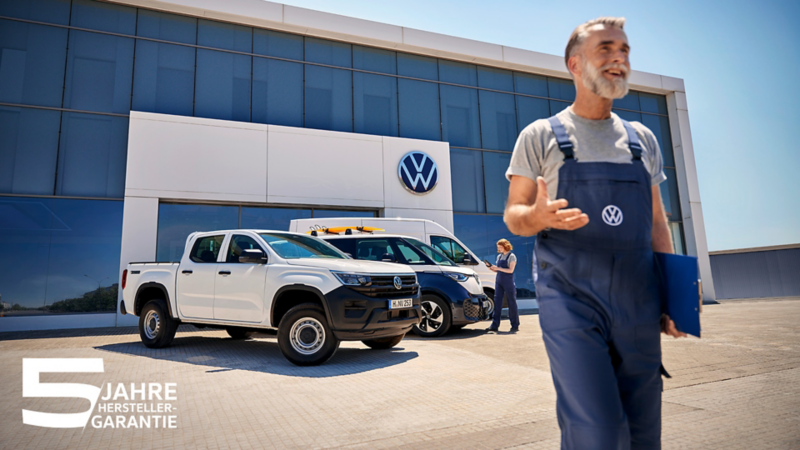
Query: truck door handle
187	271
224	272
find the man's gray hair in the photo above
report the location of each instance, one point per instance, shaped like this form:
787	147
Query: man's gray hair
582	31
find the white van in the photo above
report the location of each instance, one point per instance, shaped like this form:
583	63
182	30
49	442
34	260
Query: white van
425	230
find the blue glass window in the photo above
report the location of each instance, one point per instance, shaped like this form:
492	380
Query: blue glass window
417	66
92	155
281	45
498	120
224	36
32	63
176	222
466	170
163	79
670	197
558	106
460	125
494	175
271	218
375	104
630	116
374	60
653	103
526	83
99	71
322	213
418	105
328	52
222	86
59	255
630	101
167	27
561	89
523	249
659	125
277	85
51	11
103	17
28	149
459	73
497	79
472	230
328	98
530	109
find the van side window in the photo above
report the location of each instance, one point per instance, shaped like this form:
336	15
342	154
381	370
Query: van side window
206	249
450	248
372	249
411	254
238	244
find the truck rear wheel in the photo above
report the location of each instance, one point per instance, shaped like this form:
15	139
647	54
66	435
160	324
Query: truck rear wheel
304	336
239	333
383	343
156	327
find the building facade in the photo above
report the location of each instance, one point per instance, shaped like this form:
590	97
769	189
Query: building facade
125	126
762	272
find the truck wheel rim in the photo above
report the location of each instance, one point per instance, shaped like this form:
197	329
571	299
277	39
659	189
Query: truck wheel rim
490	310
432	317
307	336
152	324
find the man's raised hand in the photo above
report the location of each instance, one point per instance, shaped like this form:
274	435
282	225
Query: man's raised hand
552	213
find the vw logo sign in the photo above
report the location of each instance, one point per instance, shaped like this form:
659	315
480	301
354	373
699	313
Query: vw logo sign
418	172
612	215
398	283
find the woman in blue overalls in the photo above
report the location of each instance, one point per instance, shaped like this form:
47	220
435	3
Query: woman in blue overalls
504	285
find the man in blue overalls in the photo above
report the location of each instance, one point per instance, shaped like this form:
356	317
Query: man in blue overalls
597	291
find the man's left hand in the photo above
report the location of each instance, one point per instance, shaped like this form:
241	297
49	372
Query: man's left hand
668	327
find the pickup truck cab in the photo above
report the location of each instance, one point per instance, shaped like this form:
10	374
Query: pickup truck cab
248	280
452	296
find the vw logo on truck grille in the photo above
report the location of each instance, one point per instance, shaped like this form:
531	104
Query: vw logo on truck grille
398	283
418	172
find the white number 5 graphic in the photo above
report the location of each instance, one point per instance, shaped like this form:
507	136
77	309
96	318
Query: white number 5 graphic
31	387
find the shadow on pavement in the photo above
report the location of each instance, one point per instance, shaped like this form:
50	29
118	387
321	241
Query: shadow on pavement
261	354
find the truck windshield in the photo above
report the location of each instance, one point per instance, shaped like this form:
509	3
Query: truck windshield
292	246
432	253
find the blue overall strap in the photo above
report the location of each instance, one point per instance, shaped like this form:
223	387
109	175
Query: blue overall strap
562	138
633	141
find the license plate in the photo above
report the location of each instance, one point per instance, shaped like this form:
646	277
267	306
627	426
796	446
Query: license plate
401	303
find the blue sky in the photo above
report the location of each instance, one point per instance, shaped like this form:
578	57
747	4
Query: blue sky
740	62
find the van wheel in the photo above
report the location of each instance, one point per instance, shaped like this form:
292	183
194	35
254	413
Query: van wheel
490	293
304	336
239	333
383	343
156	327
436	317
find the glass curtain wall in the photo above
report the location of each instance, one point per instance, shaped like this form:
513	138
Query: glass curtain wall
72	70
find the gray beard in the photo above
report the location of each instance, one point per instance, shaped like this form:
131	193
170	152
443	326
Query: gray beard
594	81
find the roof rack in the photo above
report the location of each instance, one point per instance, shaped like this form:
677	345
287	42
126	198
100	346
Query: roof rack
339	230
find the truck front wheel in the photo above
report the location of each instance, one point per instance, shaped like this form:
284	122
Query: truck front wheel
383	343
156	327
304	336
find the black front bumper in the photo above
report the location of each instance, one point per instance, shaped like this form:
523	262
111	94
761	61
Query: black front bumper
355	316
471	310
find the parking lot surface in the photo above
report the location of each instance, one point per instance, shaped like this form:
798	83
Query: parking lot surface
736	388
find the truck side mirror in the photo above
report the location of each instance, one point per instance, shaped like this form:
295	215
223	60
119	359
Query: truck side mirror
388	257
255	256
467	258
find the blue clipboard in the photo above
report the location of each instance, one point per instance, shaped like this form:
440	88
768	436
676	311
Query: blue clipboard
679	290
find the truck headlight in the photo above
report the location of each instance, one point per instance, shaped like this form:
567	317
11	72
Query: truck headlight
353	279
457	276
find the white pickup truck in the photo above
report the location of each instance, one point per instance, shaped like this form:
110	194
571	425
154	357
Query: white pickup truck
247	280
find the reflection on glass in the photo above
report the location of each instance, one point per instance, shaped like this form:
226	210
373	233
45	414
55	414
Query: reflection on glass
498	79
669	195
28	149
222	86
163	80
458	73
659	125
417	66
419	110
676	228
276	219
322	213
277	92
176	222
494	174
467	180
498	121
329	99
460	124
561	89
59	255
103	16
328	52
630	101
557	106
50	11
375	104
374	60
628	115
530	110
525	83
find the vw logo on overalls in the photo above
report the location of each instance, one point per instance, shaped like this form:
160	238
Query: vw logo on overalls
612	215
398	283
418	172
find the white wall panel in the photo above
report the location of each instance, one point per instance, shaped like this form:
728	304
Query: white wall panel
139	235
316	167
191	158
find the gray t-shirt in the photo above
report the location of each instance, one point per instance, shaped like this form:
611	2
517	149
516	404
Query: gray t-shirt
537	154
510	258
